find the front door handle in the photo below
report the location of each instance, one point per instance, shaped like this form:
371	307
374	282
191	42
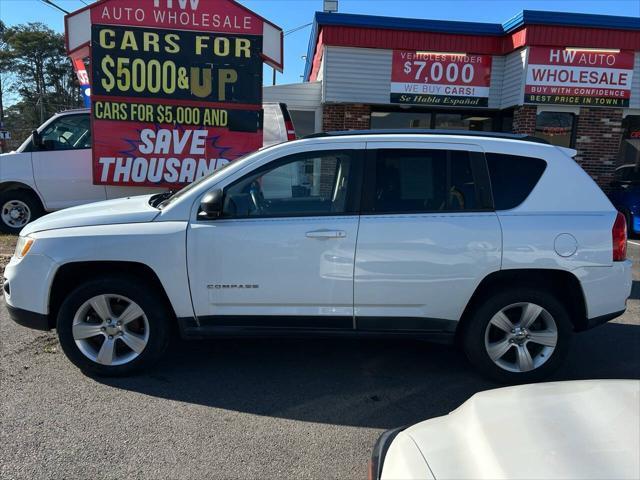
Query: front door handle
326	234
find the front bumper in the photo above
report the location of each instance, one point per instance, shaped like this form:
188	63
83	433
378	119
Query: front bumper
37	321
28	282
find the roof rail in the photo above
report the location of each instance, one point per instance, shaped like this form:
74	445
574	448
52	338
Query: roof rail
417	131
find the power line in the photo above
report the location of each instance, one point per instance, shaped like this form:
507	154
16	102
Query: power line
293	30
53	5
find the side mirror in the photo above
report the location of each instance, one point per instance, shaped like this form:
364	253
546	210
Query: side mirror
37	140
211	204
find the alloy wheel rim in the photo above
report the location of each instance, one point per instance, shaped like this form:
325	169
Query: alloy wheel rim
521	337
110	329
16	213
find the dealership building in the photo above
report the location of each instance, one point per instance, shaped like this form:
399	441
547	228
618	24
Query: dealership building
573	79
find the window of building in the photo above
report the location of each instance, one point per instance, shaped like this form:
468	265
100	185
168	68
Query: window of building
556	127
400	120
313	183
513	178
458	121
630	146
506	121
304	122
423	181
416	117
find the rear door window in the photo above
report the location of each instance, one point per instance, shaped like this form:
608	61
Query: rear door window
513	178
422	181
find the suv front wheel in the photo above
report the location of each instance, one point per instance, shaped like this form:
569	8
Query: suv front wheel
518	336
113	326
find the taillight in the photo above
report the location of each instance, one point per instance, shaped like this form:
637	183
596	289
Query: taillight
291	132
619	234
288	123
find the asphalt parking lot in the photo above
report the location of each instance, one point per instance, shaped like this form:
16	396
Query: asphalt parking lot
248	408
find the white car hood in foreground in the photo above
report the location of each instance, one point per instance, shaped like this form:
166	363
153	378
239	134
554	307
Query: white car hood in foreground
111	212
582	429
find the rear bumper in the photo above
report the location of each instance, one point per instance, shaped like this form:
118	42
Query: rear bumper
594	322
606	290
380	452
36	321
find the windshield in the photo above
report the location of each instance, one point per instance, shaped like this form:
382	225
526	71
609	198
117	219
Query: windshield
170	197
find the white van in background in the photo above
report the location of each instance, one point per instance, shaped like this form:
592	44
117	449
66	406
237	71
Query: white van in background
55	172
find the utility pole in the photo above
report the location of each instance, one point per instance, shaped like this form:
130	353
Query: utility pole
2	140
41	103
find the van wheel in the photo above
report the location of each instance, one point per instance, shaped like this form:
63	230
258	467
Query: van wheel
518	336
113	326
18	208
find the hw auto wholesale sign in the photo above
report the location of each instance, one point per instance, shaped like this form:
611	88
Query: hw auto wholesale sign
579	77
449	79
176	87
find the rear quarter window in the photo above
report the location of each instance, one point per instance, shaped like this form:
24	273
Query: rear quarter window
513	177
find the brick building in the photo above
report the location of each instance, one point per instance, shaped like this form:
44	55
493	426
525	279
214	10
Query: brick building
573	79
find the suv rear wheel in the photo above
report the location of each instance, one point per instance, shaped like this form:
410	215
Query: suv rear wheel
113	326
518	336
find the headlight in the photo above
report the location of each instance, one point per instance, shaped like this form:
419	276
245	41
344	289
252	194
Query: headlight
23	246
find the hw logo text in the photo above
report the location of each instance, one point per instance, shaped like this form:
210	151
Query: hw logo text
182	4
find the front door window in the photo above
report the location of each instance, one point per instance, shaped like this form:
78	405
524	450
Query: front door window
309	184
70	132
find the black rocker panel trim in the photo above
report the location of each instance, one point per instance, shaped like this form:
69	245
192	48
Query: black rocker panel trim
319	323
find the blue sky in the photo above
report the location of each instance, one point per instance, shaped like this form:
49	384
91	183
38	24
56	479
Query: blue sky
290	14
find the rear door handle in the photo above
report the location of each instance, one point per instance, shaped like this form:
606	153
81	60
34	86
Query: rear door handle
326	234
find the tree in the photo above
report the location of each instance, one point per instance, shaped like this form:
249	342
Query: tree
42	76
5	69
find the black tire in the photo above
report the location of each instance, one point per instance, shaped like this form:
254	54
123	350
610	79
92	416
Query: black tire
474	335
157	314
27	198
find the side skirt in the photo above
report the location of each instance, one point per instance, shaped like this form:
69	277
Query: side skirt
434	330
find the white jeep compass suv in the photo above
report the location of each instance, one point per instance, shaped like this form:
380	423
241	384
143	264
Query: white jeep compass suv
499	242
